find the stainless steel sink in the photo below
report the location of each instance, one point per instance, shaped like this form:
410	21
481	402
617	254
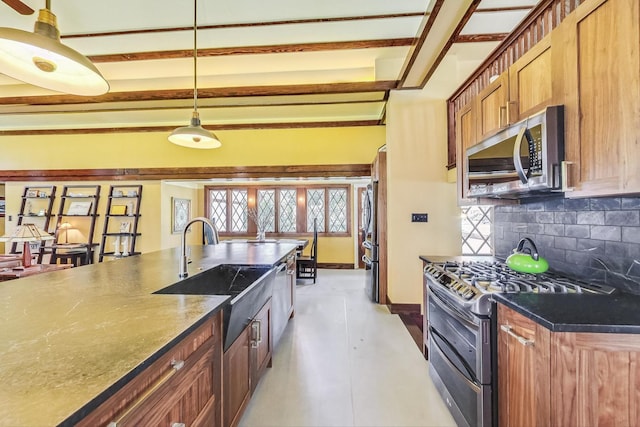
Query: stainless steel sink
250	286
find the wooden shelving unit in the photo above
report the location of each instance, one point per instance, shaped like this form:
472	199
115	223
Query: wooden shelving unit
122	215
35	208
78	203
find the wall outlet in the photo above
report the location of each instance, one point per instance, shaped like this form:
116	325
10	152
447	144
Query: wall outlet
419	217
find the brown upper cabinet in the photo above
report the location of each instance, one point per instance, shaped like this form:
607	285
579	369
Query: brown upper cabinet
598	80
465	138
524	89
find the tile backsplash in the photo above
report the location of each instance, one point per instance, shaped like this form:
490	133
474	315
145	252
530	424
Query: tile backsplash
592	239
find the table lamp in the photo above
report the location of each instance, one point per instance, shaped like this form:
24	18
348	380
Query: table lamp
27	233
66	226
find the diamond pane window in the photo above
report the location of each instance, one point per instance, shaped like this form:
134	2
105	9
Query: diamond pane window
337	210
239	217
287	211
267	209
315	209
477	225
218	208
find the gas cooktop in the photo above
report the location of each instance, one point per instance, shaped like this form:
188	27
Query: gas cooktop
470	283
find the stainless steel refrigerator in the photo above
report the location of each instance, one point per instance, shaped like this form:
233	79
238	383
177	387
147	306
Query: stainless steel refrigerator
370	241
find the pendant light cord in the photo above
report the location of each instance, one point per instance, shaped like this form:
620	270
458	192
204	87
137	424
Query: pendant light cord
195	55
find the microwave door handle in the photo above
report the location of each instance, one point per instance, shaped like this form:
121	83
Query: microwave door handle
517	162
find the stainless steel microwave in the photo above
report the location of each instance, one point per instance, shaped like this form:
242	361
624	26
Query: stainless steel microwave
520	161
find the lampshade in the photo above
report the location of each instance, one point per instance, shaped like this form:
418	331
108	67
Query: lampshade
40	59
27	233
194	135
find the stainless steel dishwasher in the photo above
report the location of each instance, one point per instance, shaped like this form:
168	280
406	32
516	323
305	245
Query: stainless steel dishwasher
282	299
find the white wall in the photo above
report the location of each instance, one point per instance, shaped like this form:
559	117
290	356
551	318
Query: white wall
417	182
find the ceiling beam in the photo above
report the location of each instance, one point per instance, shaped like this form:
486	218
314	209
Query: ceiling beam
225	92
254	50
475	38
169	129
140	174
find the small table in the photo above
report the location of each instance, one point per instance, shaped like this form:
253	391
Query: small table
73	253
18	272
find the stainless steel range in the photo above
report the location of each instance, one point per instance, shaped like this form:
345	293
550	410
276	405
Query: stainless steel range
462	328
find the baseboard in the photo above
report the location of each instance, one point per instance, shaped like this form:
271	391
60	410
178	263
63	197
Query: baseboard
339	266
413	309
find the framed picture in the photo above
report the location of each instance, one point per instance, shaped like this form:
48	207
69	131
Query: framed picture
79	208
181	213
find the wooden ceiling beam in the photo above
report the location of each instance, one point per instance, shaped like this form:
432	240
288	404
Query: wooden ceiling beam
475	38
254	50
224	92
168	129
204	173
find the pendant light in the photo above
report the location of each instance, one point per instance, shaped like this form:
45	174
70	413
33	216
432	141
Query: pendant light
40	59
194	135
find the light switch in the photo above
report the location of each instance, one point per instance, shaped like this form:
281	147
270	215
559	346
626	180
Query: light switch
419	217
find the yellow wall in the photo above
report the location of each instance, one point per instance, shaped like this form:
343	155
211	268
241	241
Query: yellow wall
417	182
265	147
355	145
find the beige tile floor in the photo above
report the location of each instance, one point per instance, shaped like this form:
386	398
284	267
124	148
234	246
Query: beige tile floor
344	361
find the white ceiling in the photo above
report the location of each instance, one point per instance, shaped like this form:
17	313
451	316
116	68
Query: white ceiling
275	63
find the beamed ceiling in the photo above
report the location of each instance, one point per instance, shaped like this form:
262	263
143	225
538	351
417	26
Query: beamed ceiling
261	64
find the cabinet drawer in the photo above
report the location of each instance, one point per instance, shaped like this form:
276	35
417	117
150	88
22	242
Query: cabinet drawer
183	386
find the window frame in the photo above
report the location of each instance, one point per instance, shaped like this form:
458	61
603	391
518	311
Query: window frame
301	206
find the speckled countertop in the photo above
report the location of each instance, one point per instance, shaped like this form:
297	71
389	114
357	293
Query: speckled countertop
67	336
616	313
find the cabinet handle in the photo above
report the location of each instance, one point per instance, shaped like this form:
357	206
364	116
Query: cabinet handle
564	171
178	425
521	340
502	111
176	365
256	326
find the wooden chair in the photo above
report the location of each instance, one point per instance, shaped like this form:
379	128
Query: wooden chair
307	266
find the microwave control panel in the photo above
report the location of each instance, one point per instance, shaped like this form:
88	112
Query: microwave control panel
535	152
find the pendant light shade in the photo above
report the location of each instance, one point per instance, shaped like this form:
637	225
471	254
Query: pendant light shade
194	135
40	59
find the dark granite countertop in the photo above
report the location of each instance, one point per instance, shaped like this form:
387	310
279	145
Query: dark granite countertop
67	336
616	313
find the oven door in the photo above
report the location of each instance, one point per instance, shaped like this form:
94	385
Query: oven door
460	360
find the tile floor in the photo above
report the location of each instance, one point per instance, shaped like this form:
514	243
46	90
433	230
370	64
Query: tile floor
344	361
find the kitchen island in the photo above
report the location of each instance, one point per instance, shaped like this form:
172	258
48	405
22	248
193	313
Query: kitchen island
70	339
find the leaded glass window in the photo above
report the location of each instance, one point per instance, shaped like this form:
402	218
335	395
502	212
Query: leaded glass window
477	225
218	208
315	208
267	210
337	210
239	217
287	211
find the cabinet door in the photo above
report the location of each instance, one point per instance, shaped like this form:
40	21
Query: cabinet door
465	138
183	386
492	108
530	83
601	92
523	371
595	379
261	343
237	379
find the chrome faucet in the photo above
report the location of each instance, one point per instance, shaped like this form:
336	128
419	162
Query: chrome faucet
183	242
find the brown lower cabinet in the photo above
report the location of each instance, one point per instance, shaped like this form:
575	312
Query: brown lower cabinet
565	378
183	387
244	363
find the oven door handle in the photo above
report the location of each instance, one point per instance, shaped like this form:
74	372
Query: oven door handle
451	365
452	311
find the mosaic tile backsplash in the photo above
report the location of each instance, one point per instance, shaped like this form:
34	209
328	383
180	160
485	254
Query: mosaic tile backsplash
592	239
